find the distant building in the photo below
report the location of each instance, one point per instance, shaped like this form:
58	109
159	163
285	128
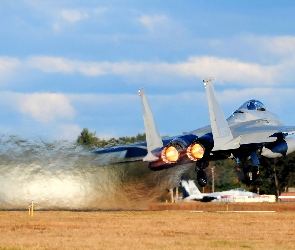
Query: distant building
288	196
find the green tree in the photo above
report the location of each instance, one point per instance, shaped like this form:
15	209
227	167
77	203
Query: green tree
87	138
275	175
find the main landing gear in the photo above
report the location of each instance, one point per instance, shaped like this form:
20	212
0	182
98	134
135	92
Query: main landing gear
250	168
201	174
250	174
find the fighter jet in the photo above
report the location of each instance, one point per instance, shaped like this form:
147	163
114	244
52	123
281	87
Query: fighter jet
191	192
250	133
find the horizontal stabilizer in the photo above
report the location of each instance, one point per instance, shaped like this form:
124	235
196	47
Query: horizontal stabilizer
124	153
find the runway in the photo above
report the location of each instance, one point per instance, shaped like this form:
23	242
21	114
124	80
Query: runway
224	207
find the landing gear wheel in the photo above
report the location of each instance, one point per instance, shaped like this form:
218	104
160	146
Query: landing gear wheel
251	173
255	172
202	178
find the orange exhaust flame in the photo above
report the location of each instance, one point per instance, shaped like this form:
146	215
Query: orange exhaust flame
195	151
170	154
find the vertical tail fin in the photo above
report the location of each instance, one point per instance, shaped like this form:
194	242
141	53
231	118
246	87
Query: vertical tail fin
153	138
185	189
194	191
220	129
190	190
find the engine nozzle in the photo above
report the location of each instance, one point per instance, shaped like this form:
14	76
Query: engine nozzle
195	151
170	154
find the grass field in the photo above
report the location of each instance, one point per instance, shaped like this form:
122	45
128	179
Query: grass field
147	230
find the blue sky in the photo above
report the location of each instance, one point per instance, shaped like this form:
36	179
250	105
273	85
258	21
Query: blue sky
66	65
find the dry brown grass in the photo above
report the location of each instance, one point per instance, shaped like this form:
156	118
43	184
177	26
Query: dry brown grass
147	230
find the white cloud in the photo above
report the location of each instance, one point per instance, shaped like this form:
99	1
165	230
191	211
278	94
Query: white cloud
91	69
283	45
38	114
7	64
151	22
62	65
51	64
9	67
278	55
73	16
65	17
230	70
46	107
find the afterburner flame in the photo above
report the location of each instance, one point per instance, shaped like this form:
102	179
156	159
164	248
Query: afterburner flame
195	151
170	154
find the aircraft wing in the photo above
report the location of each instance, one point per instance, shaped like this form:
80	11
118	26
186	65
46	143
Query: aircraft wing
259	132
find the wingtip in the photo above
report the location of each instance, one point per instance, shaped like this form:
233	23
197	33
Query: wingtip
210	79
140	91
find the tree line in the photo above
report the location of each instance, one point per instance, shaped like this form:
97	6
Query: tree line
90	140
275	175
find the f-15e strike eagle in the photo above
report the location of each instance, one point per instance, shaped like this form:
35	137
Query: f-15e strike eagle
250	133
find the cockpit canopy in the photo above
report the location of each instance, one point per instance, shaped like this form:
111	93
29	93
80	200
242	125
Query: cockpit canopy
253	105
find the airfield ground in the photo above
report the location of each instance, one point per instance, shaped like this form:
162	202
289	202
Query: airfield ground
231	206
181	229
